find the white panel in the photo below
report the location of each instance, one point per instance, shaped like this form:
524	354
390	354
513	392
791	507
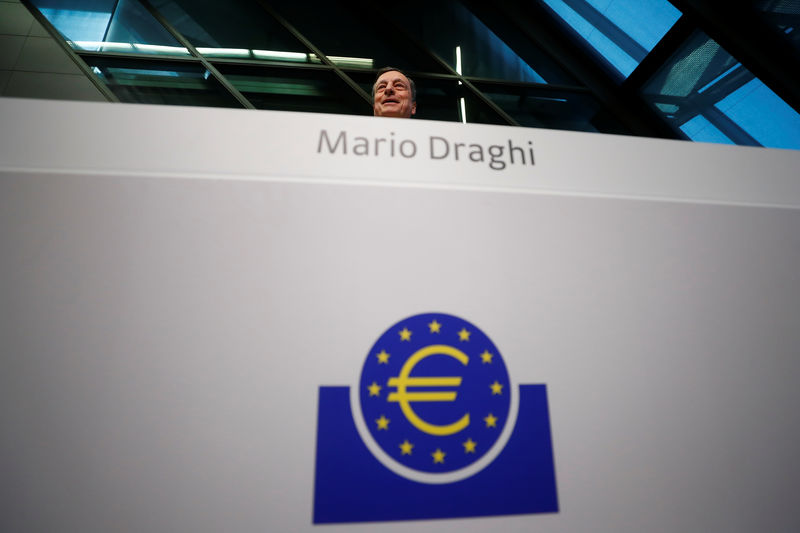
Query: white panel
222	143
164	339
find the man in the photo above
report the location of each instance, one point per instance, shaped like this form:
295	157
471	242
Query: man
393	94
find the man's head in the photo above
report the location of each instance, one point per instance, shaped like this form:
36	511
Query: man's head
393	94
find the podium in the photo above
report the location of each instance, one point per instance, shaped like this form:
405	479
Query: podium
178	284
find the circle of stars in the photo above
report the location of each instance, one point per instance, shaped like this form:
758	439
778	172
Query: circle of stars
406	447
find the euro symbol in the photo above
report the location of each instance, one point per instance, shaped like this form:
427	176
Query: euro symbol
403	381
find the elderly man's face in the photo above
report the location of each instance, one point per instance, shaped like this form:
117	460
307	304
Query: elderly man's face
393	96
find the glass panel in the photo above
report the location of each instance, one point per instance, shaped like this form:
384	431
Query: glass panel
614	28
109	26
475	110
700	129
345	34
548	108
439	99
245	31
784	17
705	93
465	42
748	107
78	20
295	89
158	82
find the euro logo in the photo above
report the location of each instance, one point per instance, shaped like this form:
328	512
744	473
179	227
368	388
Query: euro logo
403	381
433	417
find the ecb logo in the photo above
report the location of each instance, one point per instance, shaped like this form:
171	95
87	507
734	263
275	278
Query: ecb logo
435	403
434	428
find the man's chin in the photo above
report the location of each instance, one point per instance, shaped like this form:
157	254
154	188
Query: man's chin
392	112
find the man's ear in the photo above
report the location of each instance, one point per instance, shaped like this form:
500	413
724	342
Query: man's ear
413	108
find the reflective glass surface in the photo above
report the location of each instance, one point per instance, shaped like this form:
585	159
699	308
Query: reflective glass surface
472	109
161	82
109	26
706	94
545	108
295	89
238	29
783	16
621	31
465	42
364	37
270	50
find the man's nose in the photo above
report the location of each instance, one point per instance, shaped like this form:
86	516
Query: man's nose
388	90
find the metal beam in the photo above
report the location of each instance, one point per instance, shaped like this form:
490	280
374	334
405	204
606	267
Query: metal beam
547	33
675	37
107	93
744	34
729	128
608	28
192	50
308	44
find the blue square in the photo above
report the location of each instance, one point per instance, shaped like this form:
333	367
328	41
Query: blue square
351	485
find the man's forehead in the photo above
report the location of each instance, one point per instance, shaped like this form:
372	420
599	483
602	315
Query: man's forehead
392	76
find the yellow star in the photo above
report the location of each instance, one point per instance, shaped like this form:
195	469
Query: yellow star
405	334
438	456
469	446
491	421
405	447
496	388
383	357
434	327
486	357
383	422
463	335
374	389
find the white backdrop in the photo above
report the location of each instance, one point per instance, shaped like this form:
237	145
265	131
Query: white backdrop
177	284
